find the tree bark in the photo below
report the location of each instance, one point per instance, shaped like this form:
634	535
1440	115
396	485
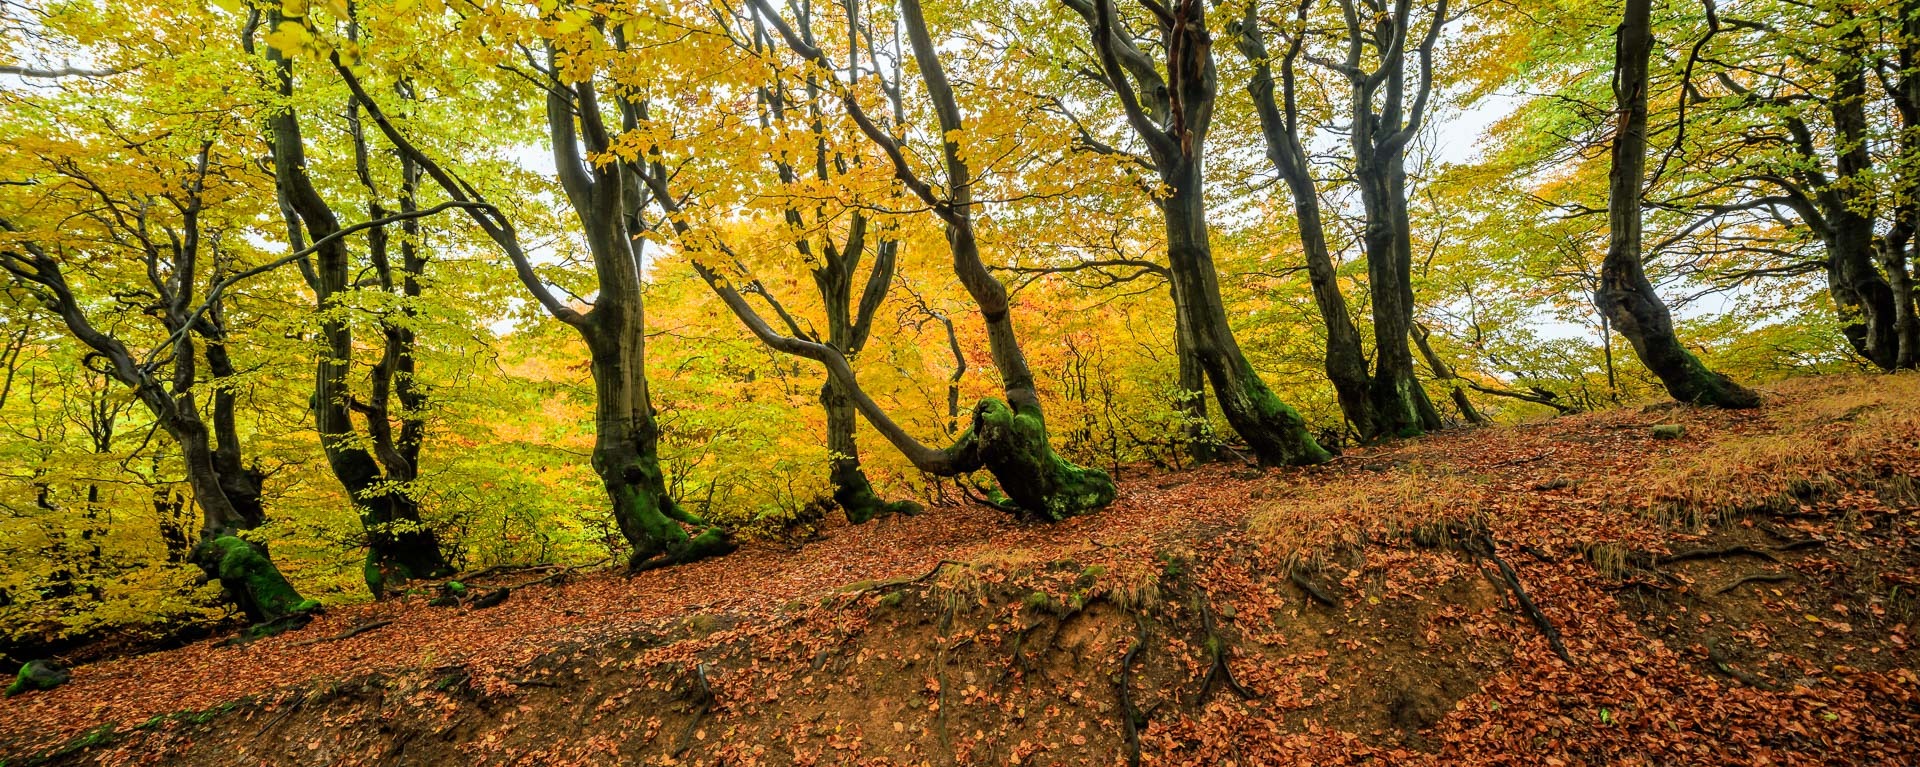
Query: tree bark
1172	121
227	493
399	546
1191	387
1275	432
1863	296
1346	361
1007	438
1625	295
604	200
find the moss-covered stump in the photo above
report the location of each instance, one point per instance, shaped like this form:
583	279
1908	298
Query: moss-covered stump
250	579
1013	445
38	675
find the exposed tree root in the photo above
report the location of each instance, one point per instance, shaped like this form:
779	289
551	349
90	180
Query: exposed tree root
1760	578
1480	543
1720	553
352	632
1300	579
1131	718
707	543
1218	670
985	497
703	701
1717	659
1536	553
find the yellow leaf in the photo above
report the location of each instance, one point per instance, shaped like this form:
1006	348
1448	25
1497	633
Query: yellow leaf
290	37
574	21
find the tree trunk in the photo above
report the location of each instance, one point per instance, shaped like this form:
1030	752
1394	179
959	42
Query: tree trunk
1625	295
627	438
1274	431
1896	248
1865	300
1389	272
848	326
246	573
1346	361
1191	389
1441	371
851	490
399	547
1010	437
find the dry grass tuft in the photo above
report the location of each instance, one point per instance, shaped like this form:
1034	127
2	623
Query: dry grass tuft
1864	429
1306	523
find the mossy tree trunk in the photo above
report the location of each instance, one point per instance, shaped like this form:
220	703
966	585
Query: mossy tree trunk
1395	387
1897	244
1171	114
1387	108
1278	110
849	318
376	478
1275	432
1625	295
1868	307
606	201
626	443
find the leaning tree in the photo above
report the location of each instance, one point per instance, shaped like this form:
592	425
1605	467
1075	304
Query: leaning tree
605	199
1625	295
1007	438
376	464
128	235
1169	106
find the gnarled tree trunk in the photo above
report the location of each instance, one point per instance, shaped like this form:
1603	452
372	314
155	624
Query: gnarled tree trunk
399	546
1625	294
1171	114
1007	438
1346	361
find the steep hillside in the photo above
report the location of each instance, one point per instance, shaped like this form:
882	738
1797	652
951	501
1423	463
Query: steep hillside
1587	590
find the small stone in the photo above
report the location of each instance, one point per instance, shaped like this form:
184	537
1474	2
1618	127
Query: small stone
1669	431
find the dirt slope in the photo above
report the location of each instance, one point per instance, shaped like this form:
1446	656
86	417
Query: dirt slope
1739	595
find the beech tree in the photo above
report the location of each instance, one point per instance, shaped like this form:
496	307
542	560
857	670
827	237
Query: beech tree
605	198
1170	113
154	208
376	465
1008	438
1626	295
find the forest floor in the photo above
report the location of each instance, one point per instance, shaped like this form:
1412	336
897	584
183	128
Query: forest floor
1574	591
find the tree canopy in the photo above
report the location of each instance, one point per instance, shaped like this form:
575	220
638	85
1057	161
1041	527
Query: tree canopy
305	301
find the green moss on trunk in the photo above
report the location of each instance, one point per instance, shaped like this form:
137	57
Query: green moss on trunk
1013	445
855	495
250	579
37	675
652	521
